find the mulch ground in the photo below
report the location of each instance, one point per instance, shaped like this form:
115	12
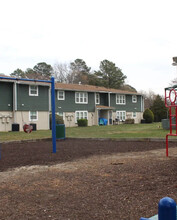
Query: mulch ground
86	179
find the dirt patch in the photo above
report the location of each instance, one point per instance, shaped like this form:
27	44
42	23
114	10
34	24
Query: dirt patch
85	179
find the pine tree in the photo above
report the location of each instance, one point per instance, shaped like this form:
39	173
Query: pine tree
159	109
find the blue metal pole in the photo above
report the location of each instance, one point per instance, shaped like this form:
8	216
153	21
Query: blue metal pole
167	209
53	114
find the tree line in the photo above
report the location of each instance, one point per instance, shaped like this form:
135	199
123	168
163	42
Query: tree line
108	75
156	105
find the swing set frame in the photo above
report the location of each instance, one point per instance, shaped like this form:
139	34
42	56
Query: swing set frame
52	82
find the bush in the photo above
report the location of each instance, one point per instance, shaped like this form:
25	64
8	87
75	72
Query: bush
82	122
58	120
148	116
129	121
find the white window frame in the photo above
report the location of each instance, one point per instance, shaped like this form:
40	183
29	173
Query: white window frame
33	89
134	98
97	98
121	115
134	114
81	115
58	95
120	99
30	114
81	97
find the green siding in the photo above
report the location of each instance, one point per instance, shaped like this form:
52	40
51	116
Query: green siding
129	106
41	102
32	103
104	99
69	105
6	96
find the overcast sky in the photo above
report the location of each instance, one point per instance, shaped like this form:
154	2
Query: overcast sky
139	36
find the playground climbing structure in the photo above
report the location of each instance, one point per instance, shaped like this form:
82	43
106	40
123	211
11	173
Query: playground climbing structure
171	103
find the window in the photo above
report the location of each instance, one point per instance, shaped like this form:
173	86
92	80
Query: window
134	114
62	115
33	90
97	98
61	95
134	98
33	115
121	115
81	97
81	115
120	99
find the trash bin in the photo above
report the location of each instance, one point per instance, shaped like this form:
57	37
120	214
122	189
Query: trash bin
103	121
15	127
143	121
60	131
34	126
166	123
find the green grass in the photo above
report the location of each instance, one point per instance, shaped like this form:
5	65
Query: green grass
15	136
153	130
119	131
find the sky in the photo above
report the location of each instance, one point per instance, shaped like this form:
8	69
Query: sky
139	36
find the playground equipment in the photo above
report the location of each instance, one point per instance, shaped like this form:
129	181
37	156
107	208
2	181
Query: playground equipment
27	128
52	82
171	103
166	210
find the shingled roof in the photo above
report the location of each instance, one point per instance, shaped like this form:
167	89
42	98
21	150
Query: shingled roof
78	87
89	88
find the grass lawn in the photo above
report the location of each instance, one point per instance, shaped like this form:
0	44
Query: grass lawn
153	130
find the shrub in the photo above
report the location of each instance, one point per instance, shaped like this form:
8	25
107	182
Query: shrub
82	122
148	116
58	120
129	121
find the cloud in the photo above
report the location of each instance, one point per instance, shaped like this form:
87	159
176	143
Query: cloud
139	36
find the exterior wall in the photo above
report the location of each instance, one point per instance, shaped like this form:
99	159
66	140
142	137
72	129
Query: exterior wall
104	99
6	120
129	106
139	116
6	96
32	103
69	105
69	119
42	123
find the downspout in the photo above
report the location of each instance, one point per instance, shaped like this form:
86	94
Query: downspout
96	110
49	109
142	103
109	104
109	99
14	102
142	106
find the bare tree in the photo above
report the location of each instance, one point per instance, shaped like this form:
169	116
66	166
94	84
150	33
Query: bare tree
61	72
149	98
